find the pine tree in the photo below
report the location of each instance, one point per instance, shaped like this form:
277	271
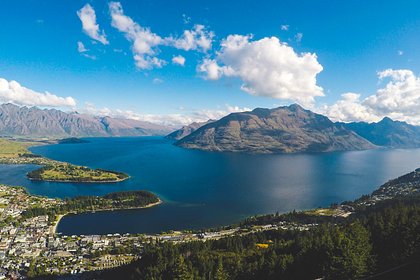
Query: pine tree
221	274
181	270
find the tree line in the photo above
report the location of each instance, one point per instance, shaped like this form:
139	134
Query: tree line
374	240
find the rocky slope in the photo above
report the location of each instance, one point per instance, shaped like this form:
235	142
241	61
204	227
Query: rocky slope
35	122
281	130
186	130
388	133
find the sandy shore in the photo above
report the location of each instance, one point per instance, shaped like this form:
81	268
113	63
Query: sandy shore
53	229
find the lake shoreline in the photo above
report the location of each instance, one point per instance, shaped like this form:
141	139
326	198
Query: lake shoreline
227	187
53	229
27	157
59	217
79	182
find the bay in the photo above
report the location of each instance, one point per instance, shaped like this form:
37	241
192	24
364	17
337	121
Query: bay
204	189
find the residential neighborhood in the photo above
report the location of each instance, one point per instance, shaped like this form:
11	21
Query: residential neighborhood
31	246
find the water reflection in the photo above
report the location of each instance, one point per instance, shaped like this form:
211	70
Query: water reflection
204	189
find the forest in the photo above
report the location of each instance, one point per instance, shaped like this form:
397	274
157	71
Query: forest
373	241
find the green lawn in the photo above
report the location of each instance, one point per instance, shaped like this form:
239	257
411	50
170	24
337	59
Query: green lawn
322	212
9	149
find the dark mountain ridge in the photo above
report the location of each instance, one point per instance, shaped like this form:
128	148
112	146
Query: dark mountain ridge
281	130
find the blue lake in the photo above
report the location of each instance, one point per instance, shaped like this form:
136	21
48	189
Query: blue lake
204	189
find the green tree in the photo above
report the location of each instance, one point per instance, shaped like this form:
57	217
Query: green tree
181	270
349	257
221	274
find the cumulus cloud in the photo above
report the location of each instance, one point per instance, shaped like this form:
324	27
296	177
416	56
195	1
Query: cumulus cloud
13	92
174	120
145	43
398	99
179	59
196	39
350	108
267	67
90	27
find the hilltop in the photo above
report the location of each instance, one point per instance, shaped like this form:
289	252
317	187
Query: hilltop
281	130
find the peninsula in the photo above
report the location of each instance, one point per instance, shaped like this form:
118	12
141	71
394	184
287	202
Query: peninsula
113	201
65	172
15	152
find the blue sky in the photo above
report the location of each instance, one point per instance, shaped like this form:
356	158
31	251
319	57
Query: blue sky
353	42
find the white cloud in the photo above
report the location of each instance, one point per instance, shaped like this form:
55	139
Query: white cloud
157	81
349	108
81	47
399	99
267	67
89	56
175	120
299	37
13	92
196	39
213	71
83	51
179	59
284	27
90	27
400	52
144	41
186	19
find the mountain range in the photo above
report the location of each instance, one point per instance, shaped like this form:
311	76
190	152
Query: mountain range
52	123
294	129
388	133
280	130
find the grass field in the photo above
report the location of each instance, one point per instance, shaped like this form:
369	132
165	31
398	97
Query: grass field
9	149
322	212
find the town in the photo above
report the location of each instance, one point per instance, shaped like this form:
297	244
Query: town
30	246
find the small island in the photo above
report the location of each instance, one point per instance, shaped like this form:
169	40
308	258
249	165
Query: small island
64	172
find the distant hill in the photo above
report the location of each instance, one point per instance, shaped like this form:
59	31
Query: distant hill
72	140
52	123
186	130
280	130
388	133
